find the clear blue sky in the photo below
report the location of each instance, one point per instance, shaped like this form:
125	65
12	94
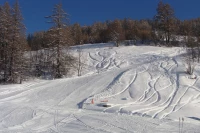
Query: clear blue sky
87	12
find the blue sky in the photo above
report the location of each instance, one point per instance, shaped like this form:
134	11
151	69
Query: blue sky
87	12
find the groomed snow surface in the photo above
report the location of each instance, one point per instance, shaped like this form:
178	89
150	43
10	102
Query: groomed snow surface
127	89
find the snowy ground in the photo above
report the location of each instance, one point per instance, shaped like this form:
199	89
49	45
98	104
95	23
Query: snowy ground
145	87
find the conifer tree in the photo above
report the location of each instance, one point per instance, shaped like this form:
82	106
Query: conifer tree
12	43
5	40
59	36
18	44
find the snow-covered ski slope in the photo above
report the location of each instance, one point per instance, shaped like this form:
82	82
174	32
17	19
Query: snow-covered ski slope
145	88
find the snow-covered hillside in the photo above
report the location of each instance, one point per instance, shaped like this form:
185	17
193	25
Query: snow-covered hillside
145	89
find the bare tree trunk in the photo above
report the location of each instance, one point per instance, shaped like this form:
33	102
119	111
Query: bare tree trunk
198	53
117	43
79	62
58	73
168	37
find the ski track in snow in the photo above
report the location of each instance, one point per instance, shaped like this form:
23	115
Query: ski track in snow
150	104
143	84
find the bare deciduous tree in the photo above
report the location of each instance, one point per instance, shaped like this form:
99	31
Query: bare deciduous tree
80	61
76	33
116	32
191	55
165	20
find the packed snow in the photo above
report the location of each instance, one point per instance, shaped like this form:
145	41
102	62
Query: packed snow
126	89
